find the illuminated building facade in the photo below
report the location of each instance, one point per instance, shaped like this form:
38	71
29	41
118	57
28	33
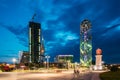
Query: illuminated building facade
85	43
64	58
64	61
34	42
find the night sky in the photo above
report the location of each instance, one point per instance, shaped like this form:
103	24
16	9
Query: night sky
60	22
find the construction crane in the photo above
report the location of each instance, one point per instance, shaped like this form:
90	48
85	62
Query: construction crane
33	17
35	8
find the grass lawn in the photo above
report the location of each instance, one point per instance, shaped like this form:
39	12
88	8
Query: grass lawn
110	75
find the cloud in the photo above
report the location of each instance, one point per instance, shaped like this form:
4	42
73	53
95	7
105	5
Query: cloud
112	27
20	32
65	36
62	40
113	24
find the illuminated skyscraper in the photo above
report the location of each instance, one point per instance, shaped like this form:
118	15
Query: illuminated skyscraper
85	43
34	41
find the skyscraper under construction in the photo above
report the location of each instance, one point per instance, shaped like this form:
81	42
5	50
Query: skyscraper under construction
34	41
85	43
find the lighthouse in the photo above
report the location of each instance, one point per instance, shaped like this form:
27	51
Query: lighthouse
98	63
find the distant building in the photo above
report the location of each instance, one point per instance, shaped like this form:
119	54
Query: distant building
23	57
34	41
64	58
64	61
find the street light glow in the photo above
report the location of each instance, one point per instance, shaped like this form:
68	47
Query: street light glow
47	57
14	60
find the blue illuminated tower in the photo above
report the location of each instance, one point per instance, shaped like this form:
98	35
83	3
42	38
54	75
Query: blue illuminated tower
85	43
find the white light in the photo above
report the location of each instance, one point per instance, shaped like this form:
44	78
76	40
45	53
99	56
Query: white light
75	63
47	56
95	67
103	62
14	60
100	67
7	64
64	55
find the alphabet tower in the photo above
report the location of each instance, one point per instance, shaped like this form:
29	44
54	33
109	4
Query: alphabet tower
85	43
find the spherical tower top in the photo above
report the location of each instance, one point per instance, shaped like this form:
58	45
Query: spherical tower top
98	51
85	25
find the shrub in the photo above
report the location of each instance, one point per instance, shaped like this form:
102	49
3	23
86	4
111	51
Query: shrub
114	68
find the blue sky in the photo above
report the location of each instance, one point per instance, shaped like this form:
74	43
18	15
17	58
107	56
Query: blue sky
60	22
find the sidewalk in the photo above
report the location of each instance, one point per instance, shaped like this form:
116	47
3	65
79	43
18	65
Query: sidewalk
95	76
90	76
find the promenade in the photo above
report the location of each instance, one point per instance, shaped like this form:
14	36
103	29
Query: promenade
64	75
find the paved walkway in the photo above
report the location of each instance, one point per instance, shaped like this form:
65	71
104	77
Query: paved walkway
95	76
66	75
87	76
91	76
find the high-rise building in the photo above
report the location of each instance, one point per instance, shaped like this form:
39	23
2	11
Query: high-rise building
85	43
34	41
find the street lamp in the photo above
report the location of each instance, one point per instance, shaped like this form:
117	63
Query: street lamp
75	65
45	64
47	57
14	60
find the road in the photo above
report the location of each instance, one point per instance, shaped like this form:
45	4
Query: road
47	76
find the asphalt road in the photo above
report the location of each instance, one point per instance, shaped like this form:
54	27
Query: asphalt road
47	76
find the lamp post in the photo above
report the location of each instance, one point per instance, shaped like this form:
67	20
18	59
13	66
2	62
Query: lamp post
45	64
47	57
75	65
14	60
